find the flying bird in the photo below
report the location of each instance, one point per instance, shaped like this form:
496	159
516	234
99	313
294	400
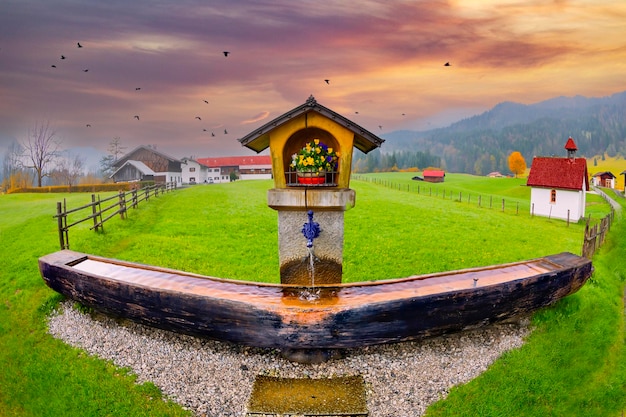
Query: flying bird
62	56
86	69
447	64
226	53
136	117
198	117
206	101
356	112
225	132
204	130
53	66
137	88
79	45
212	134
327	81
88	125
380	127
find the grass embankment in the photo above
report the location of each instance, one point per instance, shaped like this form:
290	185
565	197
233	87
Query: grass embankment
227	230
573	364
41	376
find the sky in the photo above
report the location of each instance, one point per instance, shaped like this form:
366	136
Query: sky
164	62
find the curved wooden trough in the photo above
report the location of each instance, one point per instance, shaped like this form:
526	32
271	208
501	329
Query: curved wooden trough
348	315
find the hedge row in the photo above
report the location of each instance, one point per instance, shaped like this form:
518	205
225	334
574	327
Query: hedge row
84	188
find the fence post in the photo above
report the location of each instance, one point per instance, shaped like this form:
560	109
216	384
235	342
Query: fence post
134	197
60	224
94	212
122	203
567	217
490	201
532	210
503	204
479	199
517	209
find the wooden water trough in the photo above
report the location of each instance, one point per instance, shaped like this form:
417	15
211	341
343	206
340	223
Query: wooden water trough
344	316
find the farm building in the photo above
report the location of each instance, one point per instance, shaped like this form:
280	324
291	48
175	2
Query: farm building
434	175
193	172
244	167
132	170
603	179
559	185
164	168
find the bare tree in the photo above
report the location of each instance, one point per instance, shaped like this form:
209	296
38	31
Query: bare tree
70	169
115	151
41	149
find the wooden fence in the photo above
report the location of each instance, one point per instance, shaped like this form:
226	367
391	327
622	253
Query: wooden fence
595	235
423	188
101	210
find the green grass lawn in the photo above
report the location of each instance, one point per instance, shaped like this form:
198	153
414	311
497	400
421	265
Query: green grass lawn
572	364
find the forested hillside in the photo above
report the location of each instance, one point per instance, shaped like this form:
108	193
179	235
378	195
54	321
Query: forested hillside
481	144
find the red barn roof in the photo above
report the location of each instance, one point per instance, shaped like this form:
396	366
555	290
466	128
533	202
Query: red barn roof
564	173
228	161
434	173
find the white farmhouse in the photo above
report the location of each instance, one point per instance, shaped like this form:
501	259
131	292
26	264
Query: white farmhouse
193	172
559	185
255	167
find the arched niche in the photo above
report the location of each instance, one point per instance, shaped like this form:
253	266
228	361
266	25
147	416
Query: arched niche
300	138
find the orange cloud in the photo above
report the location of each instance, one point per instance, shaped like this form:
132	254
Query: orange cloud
256	118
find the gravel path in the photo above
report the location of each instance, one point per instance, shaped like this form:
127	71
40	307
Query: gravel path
215	378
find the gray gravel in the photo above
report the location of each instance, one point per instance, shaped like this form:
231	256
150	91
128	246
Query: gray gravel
215	379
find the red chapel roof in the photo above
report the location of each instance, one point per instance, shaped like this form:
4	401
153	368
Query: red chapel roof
565	173
570	145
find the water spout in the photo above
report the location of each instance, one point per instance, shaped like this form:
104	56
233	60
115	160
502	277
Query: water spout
311	230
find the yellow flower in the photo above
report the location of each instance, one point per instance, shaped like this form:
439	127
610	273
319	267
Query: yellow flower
317	141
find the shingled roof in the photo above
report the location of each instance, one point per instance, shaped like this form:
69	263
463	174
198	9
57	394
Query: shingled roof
564	173
364	140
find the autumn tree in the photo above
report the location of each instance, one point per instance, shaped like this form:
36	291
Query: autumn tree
517	165
13	175
40	149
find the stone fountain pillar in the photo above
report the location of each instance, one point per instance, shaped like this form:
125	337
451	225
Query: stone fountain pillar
294	198
328	207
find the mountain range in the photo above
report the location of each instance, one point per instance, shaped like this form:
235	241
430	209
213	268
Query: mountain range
482	143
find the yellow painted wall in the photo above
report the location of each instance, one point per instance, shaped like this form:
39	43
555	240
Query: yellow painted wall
281	135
